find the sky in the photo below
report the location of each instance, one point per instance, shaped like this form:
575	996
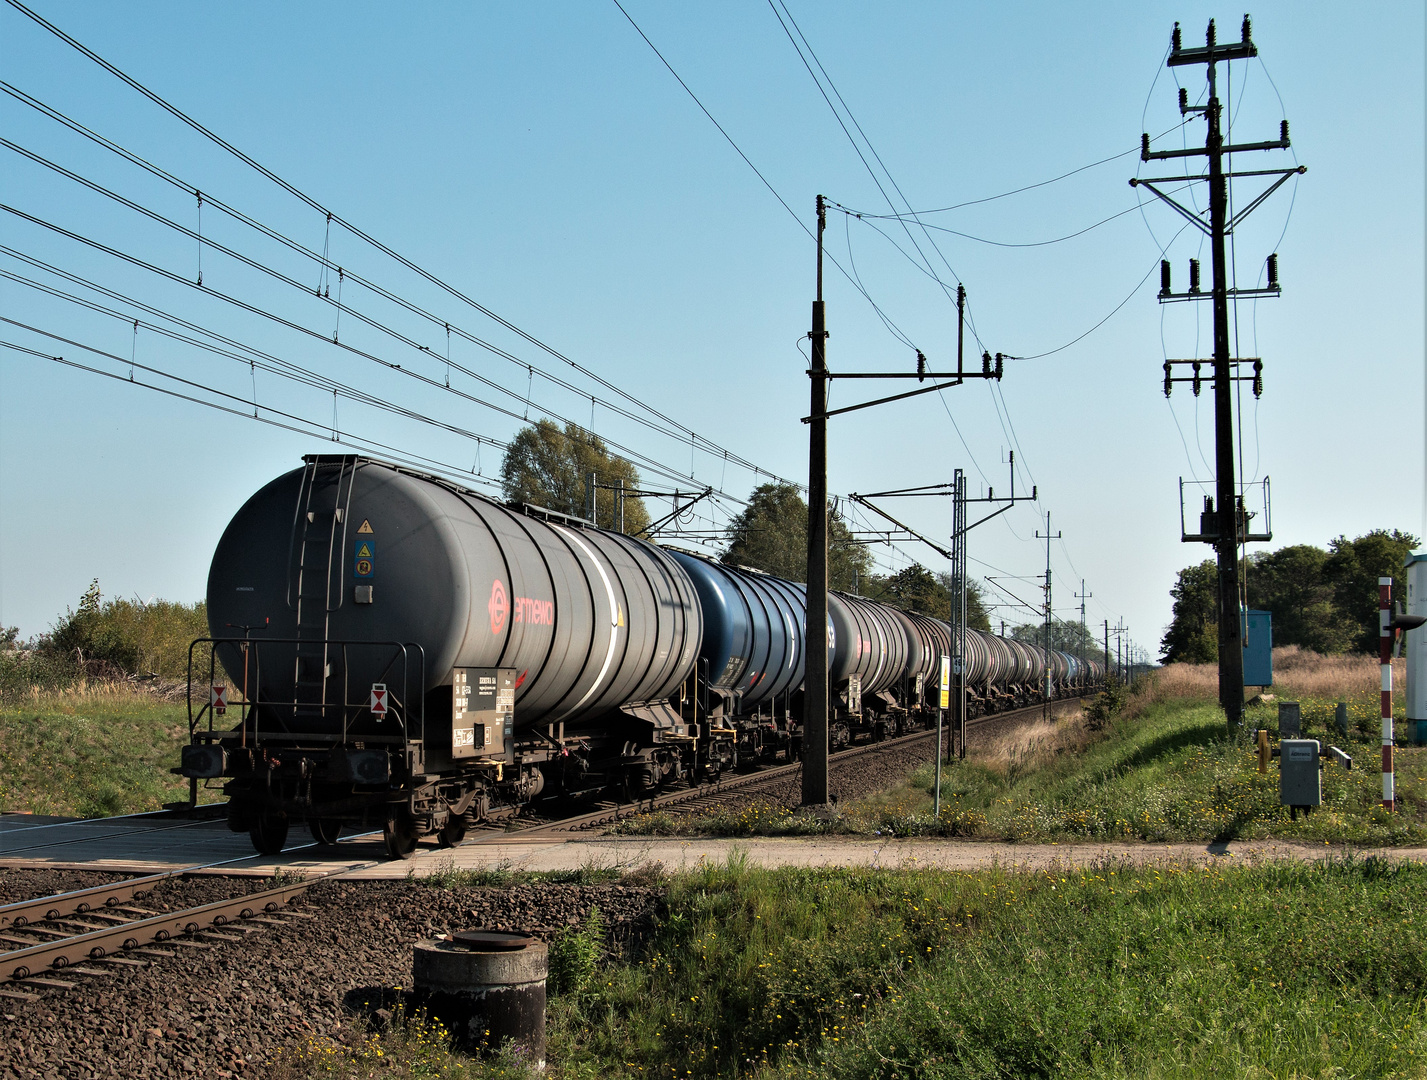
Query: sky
603	253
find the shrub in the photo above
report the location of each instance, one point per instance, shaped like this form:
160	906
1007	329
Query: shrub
115	638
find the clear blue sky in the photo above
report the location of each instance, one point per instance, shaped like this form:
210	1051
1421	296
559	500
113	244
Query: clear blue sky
542	160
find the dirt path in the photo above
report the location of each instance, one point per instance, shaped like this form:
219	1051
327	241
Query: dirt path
682	854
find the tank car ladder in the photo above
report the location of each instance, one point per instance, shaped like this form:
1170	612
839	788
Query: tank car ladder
319	539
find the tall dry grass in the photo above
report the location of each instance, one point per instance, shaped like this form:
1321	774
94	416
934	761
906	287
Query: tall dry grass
1297	672
1042	738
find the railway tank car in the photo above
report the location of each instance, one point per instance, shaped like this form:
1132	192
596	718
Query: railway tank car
401	635
402	652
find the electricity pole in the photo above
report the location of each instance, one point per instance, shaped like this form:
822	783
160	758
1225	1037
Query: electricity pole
1048	536
815	686
957	555
1083	596
815	689
1227	527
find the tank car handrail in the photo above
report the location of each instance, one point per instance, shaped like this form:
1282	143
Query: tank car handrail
400	702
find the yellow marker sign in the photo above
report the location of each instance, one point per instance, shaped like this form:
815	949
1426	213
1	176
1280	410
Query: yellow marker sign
946	682
364	551
366	526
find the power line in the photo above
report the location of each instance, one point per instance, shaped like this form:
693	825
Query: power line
327	264
248	356
311	428
774	191
331	216
650	463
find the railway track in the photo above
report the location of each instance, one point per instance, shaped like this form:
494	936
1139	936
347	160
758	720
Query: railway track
738	787
103	930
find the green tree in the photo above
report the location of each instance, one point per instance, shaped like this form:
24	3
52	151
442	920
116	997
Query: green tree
1068	637
1353	567
771	535
913	588
977	616
549	467
1193	634
1292	584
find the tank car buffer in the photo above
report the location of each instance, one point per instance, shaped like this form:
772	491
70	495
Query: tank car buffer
391	650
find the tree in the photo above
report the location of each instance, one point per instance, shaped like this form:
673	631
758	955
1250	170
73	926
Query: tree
1068	637
1353	567
771	535
1193	634
1293	585
913	588
549	467
977	616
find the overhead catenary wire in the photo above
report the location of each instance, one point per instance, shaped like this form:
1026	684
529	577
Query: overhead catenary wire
252	358
288	423
679	432
331	216
650	463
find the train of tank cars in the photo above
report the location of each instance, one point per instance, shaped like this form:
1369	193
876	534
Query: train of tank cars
406	654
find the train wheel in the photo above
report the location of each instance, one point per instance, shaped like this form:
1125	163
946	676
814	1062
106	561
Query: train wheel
324	830
269	833
452	833
399	832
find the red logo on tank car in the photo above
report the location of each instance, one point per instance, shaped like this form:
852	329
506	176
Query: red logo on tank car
535	612
499	607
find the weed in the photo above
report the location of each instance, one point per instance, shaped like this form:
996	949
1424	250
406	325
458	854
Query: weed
574	954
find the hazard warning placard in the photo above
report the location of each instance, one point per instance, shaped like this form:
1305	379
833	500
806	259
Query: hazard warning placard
379	702
218	698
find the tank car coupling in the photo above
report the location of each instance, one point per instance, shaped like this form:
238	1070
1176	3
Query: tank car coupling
203	762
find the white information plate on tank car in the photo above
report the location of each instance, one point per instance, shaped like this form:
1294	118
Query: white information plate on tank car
482	712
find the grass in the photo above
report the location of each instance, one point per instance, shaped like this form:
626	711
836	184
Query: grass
1162	770
1279	970
91	750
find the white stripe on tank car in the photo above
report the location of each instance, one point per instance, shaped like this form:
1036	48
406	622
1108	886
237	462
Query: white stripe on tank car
613	617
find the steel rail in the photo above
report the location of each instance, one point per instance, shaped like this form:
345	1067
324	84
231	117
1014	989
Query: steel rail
19	964
733	785
96	897
4	851
6	825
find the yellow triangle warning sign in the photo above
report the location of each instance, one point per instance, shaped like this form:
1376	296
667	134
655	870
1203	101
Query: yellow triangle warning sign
366	526
364	551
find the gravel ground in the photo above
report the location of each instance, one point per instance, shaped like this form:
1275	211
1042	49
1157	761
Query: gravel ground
17	885
224	1011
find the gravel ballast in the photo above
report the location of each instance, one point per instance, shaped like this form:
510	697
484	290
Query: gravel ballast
224	1011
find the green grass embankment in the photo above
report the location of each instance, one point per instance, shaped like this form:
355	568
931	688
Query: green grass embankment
1116	971
91	752
1168	772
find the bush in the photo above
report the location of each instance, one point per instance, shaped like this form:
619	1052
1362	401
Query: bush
118	638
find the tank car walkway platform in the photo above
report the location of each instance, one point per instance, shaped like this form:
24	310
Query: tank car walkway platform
136	847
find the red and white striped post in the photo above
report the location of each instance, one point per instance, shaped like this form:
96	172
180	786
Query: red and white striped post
1384	648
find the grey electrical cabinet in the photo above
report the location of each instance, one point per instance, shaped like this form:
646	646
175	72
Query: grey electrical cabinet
1299	781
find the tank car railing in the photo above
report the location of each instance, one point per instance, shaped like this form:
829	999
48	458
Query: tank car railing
404	676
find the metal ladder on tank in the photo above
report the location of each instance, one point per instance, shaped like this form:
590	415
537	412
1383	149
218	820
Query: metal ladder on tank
316	581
